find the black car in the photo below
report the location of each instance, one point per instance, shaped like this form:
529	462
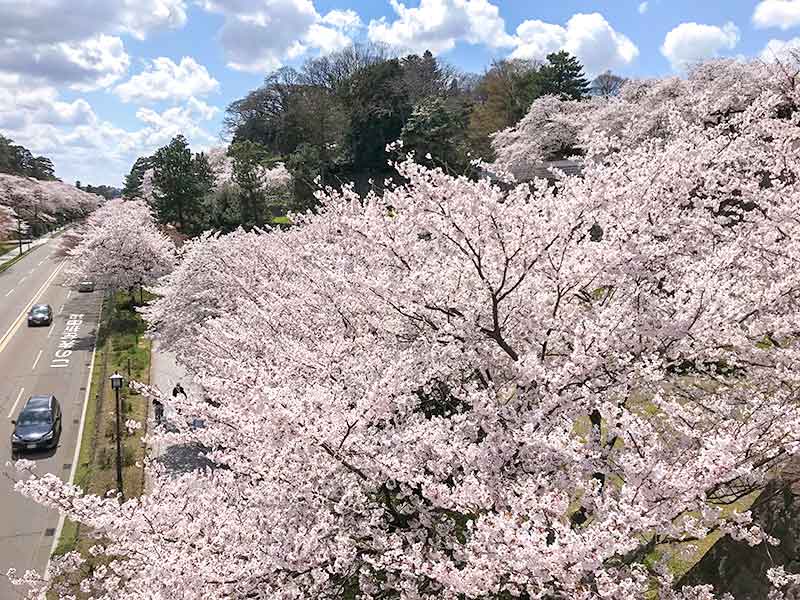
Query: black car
38	426
40	314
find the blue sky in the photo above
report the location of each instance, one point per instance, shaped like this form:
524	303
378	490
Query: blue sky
96	83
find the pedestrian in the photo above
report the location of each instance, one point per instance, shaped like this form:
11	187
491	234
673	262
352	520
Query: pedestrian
178	389
158	408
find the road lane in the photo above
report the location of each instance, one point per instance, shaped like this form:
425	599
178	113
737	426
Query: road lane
19	282
41	360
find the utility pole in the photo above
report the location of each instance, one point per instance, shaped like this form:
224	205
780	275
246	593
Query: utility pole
116	385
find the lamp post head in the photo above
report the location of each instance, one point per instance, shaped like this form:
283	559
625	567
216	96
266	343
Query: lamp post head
116	381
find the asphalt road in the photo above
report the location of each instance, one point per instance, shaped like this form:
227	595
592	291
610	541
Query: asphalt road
41	360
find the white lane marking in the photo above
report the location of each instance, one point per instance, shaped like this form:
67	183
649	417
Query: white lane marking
69	294
11	291
41	262
60	310
18	322
23	279
36	362
76	456
50	331
13	408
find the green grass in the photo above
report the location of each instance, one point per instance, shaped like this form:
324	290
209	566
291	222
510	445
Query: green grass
8	246
284	220
120	344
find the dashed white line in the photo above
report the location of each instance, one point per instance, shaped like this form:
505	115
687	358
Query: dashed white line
50	331
41	262
11	291
13	408
60	310
36	362
69	294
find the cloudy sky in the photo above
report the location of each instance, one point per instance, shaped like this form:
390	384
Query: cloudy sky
95	83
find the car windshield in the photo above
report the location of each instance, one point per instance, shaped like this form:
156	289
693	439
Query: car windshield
39	310
34	417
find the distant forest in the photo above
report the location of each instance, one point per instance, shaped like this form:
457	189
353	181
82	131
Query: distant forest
16	159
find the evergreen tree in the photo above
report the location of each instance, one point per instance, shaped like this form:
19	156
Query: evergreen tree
133	180
562	75
180	181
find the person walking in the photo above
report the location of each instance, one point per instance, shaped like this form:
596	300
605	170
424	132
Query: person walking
158	409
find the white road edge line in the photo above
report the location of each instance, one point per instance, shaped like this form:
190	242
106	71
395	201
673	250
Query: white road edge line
77	455
36	362
18	321
13	408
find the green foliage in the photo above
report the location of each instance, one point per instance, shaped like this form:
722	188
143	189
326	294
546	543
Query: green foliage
330	121
248	159
503	97
133	180
563	76
181	180
307	167
18	160
379	107
437	127
220	210
105	191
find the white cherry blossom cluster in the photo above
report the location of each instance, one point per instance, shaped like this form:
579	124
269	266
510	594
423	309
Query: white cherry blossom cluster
456	390
121	247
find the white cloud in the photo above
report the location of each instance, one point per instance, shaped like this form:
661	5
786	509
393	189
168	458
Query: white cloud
779	49
326	39
76	42
163	79
82	145
437	25
643	6
83	65
346	20
587	36
261	35
692	42
48	21
777	13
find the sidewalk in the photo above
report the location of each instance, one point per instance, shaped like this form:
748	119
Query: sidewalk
11	254
164	374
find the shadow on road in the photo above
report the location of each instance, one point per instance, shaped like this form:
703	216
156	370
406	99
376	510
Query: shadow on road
184	458
35	454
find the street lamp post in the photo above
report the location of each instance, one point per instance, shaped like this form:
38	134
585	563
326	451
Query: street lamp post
116	385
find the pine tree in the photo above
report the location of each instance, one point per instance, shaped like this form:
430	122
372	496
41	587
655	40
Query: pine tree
133	180
563	76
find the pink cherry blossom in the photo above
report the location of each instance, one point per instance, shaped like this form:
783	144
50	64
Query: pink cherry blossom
121	247
457	390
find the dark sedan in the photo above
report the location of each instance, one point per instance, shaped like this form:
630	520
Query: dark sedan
40	314
38	426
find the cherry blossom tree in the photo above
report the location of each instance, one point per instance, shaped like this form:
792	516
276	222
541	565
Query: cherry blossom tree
7	218
644	112
45	202
459	390
121	247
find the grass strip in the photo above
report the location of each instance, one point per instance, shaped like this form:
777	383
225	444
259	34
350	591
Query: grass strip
121	347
